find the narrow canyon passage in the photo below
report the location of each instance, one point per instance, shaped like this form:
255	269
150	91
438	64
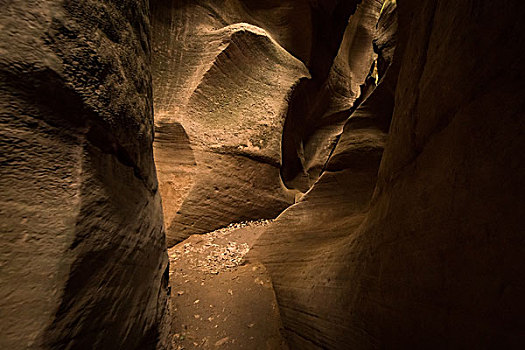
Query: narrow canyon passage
266	109
222	300
229	81
262	174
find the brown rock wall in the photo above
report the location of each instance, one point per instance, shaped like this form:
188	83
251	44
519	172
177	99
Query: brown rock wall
83	252
226	82
435	259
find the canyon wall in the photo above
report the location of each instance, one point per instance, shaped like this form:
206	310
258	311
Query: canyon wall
431	254
83	257
221	86
225	75
396	128
320	106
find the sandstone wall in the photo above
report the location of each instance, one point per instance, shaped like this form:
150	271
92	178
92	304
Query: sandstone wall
320	106
83	261
230	76
409	233
222	79
430	256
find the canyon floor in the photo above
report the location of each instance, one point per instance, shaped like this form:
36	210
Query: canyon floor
219	300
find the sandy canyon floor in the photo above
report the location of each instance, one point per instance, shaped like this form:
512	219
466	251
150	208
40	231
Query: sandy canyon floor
220	300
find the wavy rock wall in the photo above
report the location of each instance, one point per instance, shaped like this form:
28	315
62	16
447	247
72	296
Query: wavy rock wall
320	106
430	254
303	247
221	87
82	254
225	76
409	235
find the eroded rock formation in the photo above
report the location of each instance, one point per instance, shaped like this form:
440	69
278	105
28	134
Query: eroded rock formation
320	106
430	255
395	126
83	257
224	82
315	262
230	75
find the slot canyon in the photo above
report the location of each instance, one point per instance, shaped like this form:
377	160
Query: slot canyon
262	174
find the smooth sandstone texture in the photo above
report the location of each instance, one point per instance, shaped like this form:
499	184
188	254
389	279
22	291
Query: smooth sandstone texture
320	106
309	283
231	74
434	257
409	235
223	82
82	252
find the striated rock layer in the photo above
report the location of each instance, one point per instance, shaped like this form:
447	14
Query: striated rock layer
409	234
320	106
303	247
82	253
222	81
253	85
430	254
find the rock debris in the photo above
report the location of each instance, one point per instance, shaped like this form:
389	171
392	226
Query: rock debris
211	257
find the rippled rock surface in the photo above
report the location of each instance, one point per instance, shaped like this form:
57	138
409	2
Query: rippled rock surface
425	249
83	257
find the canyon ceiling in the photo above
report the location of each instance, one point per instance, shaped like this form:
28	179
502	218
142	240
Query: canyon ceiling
383	141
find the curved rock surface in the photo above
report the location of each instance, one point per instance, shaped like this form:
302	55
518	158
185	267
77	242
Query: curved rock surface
320	106
430	255
82	253
315	261
225	84
404	139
